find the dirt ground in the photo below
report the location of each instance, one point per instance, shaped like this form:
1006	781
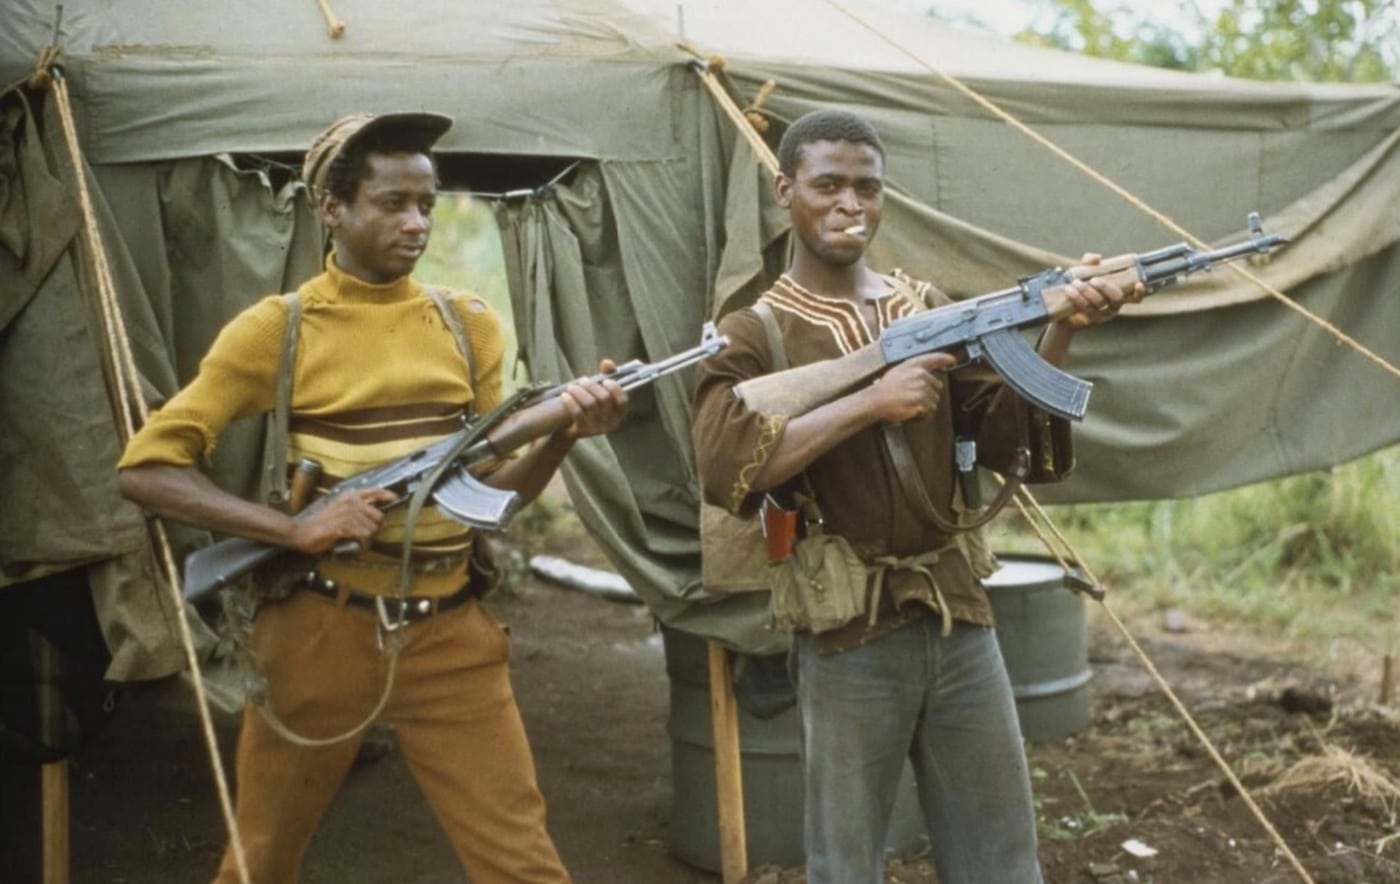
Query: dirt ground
592	684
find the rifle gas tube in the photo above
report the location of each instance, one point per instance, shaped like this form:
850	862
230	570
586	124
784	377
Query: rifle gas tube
988	327
534	414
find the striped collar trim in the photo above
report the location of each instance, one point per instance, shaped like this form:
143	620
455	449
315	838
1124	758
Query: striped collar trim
839	318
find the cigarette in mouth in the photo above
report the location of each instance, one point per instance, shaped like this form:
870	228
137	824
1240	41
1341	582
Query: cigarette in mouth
857	230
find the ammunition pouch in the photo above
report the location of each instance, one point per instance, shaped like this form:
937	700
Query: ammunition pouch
825	584
821	586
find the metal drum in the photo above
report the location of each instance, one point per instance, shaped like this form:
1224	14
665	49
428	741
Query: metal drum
771	769
1044	641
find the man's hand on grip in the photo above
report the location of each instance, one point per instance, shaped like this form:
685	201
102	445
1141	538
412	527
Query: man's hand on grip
909	390
349	516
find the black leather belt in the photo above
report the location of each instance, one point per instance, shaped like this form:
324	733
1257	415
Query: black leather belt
391	609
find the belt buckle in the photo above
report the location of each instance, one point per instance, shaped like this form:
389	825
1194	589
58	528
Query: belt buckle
380	605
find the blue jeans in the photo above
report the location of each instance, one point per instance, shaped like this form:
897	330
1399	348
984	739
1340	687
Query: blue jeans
946	705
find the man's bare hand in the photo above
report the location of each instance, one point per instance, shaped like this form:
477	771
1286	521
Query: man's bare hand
909	390
1098	299
596	405
350	515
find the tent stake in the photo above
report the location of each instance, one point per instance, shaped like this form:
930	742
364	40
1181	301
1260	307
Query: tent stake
729	789
1387	679
53	777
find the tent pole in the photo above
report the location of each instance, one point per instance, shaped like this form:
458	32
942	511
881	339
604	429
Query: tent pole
729	790
53	777
54	785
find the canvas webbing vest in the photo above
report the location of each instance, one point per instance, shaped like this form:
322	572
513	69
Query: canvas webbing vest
274	475
733	554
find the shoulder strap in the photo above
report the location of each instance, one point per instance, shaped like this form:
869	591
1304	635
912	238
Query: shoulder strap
775	336
733	552
275	442
453	319
897	446
778	349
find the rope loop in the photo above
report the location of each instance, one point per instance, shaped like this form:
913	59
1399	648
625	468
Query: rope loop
334	25
43	75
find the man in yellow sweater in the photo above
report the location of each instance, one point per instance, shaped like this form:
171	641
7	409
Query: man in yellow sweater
377	374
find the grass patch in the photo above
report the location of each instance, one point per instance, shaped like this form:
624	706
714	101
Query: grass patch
1075	824
1314	556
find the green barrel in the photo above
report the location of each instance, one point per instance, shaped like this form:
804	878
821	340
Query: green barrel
1043	639
771	770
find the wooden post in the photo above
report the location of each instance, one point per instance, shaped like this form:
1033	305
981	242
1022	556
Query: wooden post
53	778
1387	679
733	850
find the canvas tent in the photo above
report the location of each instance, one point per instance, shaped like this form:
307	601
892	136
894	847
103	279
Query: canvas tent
632	212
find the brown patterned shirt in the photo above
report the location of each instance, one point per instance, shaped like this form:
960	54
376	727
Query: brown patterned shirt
856	486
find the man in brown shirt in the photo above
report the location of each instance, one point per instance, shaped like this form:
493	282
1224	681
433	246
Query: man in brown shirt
923	679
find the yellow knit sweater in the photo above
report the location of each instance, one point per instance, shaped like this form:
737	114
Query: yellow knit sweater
377	375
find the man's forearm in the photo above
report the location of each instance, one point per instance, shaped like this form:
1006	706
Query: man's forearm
187	495
528	474
1054	344
809	436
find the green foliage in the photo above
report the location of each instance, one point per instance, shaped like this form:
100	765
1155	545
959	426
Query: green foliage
464	252
1311	556
1355	41
1076	824
1114	32
1320	40
1306	556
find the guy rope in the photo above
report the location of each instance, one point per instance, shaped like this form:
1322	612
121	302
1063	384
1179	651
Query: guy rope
126	380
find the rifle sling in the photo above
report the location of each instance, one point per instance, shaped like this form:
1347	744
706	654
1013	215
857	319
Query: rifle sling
905	468
778	357
902	457
275	443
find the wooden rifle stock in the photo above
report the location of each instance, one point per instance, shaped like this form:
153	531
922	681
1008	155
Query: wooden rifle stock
528	424
799	390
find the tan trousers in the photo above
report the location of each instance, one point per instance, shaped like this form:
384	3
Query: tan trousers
456	721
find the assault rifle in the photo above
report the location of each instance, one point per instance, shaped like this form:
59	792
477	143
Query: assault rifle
533	414
988	327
